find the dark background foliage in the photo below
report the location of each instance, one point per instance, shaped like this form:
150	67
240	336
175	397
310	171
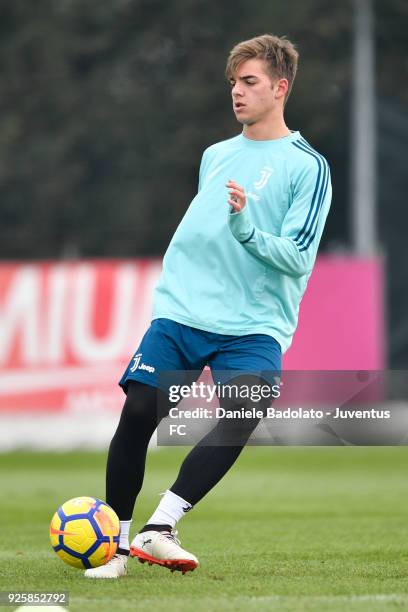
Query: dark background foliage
106	107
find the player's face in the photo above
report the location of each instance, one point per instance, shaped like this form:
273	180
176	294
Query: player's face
255	95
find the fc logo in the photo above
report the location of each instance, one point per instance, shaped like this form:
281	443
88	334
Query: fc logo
136	360
265	176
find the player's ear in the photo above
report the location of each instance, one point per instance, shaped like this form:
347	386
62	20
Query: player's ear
281	88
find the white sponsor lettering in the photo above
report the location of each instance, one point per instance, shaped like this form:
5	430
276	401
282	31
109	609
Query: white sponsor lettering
20	316
73	314
148	368
56	314
253	196
86	345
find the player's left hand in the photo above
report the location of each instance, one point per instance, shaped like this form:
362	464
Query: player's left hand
237	197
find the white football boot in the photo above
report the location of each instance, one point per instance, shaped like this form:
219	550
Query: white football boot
115	568
162	548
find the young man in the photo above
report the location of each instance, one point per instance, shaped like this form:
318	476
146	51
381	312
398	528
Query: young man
229	294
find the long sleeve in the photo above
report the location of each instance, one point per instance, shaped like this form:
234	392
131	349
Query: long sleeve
293	252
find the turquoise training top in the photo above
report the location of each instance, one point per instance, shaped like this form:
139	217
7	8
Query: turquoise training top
245	273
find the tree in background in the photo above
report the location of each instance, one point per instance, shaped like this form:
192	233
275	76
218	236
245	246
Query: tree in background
107	107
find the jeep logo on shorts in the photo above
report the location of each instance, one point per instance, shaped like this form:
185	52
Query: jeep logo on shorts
148	368
141	366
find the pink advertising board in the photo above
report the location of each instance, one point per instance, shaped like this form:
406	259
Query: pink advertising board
67	330
341	320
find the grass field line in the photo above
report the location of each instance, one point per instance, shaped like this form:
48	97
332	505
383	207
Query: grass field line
389	597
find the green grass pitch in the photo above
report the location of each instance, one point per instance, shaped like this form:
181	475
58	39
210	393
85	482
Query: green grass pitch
287	529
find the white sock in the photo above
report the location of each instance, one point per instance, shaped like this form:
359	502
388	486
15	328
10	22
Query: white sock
124	534
170	510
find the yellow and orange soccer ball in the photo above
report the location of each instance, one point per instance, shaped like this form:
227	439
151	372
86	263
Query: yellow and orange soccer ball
85	532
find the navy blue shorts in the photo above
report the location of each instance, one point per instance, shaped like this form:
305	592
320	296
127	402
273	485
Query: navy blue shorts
169	349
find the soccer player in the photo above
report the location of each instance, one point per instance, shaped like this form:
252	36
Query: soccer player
229	293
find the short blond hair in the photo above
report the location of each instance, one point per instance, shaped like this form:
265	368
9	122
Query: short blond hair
278	53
